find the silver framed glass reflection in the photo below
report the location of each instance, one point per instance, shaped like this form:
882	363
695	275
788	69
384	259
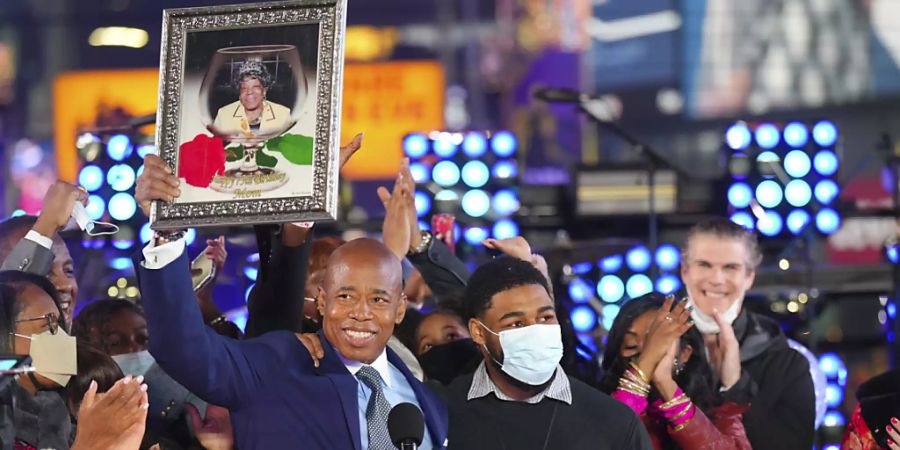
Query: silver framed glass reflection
249	112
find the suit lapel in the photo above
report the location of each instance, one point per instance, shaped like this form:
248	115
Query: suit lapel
332	367
434	417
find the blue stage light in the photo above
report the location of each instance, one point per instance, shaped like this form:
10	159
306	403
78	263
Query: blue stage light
420	172
123	244
826	191
826	162
828	221
505	169
190	236
584	318
798	193
797	163
582	268
146	149
251	272
638	285
146	233
503	143
253	258
825	133
738	136
610	288
17	213
422	202
445	173
743	219
122	206
474	235
95	207
424	226
120	263
609	314
415	145
505	202
771	224
638	259
444	146
91	177
796	134
893	253
831	364
740	195
476	203
834	395
668	284
611	264
767	136
446	195
831	447
120	177
505	229
475	174
247	292
474	145
797	220
891	310
769	194
667	257
119	147
834	419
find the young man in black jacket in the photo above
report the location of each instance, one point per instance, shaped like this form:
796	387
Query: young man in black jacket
718	267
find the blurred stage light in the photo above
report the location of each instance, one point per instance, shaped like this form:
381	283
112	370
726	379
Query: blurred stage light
667	257
891	310
476	203
122	206
609	314
120	177
446	195
834	395
797	220
668	284
445	173
579	290
190	236
95	207
420	172
767	164
638	285
611	264
118	147
740	195
145	149
423	203
415	145
247	292
146	233
638	259
797	163
771	224
893	253
743	219
582	268
474	235
584	318
831	364
796	135
17	213
826	162
120	263
122	244
474	145
505	202
828	221
739	165
826	191
769	194
91	177
505	169
834	419
251	272
738	136
505	229
610	288
825	133
503	143
124	238
444	145
767	136
475	174
798	193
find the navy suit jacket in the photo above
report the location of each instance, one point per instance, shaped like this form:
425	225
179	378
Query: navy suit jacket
276	396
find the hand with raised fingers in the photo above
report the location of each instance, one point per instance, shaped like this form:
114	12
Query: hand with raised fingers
669	323
395	228
115	420
57	208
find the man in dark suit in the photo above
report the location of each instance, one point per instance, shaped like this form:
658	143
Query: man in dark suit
277	397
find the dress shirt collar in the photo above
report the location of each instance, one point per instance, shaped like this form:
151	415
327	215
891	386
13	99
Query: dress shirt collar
559	388
380	364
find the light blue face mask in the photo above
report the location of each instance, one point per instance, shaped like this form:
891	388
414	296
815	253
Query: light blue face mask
530	354
134	363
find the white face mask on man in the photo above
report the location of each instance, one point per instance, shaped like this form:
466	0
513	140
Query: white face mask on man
530	354
706	323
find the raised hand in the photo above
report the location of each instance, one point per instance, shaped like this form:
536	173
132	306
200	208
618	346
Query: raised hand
57	208
157	182
115	420
213	431
724	352
395	228
348	150
668	325
517	247
216	252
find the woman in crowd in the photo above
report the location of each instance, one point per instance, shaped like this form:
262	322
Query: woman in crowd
655	363
443	346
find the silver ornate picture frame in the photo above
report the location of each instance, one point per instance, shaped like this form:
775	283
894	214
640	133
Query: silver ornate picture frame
249	112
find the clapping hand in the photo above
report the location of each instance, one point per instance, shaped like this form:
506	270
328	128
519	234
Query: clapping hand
667	327
724	352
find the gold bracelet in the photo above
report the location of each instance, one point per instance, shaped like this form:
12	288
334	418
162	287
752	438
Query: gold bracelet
683	412
674	402
681	426
636	379
634	388
639	372
637	394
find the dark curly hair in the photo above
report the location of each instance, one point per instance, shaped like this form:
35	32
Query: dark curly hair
696	379
499	275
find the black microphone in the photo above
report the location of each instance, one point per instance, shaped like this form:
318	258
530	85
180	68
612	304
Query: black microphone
406	425
561	95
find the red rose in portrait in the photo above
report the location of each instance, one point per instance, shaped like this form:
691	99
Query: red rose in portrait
201	159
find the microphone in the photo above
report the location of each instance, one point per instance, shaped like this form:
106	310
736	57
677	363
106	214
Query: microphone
561	95
406	425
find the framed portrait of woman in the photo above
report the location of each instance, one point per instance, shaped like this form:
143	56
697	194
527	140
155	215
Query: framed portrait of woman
249	112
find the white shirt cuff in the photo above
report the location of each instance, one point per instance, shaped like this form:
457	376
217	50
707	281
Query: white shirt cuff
39	239
159	257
